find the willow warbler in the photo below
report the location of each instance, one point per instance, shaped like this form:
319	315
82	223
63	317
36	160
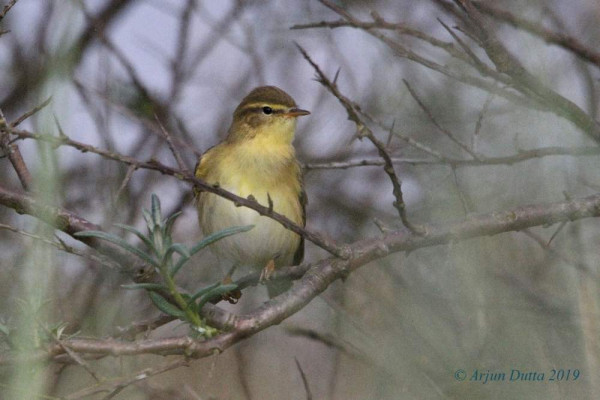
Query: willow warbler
256	159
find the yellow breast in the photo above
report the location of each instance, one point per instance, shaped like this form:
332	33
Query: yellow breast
273	174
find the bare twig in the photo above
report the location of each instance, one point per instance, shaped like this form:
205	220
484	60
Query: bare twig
14	154
31	112
130	170
321	241
172	147
545	245
405	52
7	8
304	380
436	124
115	386
178	70
522	80
142	326
364	131
461	195
508	69
62	246
565	41
521	156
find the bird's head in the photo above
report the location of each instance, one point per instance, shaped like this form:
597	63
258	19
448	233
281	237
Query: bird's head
267	112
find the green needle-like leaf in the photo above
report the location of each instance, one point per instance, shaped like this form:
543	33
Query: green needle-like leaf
148	219
119	242
163	305
216	292
147	286
170	221
156	215
202	292
137	233
177	248
219	235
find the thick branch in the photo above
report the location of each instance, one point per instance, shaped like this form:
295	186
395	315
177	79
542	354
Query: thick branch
323	273
320	275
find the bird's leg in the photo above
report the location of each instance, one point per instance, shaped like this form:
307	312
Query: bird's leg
227	279
233	296
268	269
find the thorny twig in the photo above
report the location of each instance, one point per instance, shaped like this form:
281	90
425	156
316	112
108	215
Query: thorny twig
362	132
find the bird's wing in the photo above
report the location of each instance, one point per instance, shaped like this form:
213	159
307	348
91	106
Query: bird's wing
202	167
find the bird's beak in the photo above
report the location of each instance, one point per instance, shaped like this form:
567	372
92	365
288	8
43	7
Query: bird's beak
296	112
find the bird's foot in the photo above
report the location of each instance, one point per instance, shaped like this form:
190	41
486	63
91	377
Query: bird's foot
232	296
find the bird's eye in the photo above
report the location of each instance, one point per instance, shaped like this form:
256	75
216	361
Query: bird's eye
267	110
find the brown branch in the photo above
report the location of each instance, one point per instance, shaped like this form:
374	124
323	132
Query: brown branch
174	150
405	52
31	112
62	246
321	274
565	41
521	156
352	109
62	220
508	70
446	132
102	20
14	154
7	8
524	81
114	386
325	243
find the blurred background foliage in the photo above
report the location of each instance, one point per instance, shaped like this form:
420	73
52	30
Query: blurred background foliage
395	329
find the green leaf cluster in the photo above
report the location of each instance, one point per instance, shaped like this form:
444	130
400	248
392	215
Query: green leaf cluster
168	257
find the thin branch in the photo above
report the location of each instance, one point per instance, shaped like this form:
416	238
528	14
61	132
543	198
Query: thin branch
178	70
304	380
62	246
363	131
172	146
565	41
114	386
7	8
325	243
130	170
138	327
14	154
405	52
407	139
545	245
521	156
524	81
31	112
508	70
436	124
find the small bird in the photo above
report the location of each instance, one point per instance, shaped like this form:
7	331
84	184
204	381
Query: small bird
257	160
